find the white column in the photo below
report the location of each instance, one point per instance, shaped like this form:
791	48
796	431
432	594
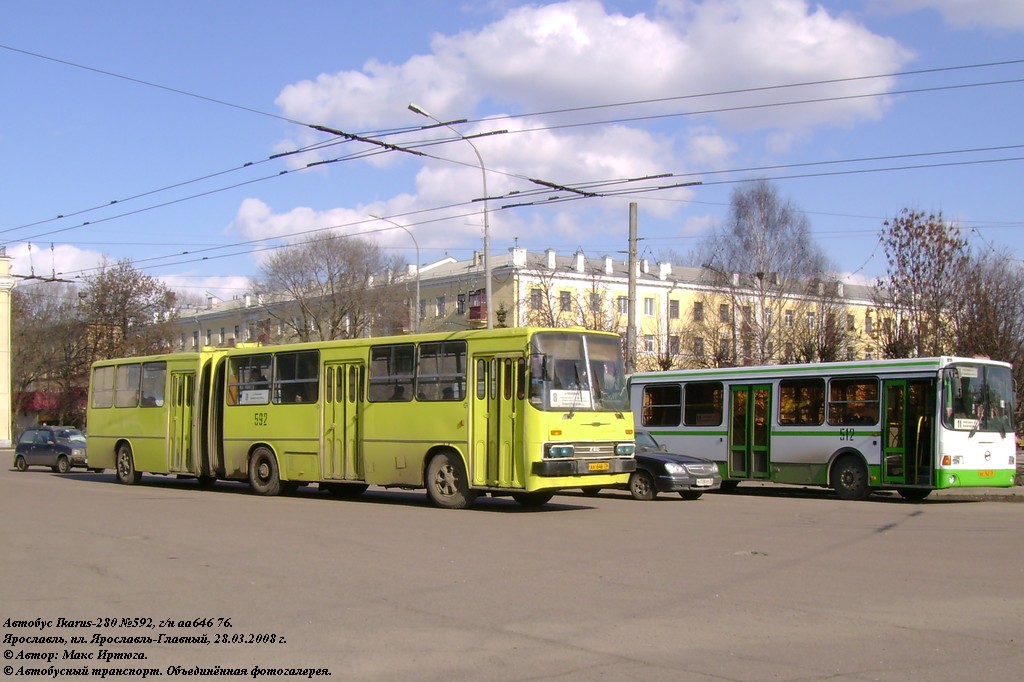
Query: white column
7	283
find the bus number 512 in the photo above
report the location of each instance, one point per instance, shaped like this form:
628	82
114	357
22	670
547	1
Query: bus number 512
846	434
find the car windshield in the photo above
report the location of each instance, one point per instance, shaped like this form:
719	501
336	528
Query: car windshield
645	439
71	434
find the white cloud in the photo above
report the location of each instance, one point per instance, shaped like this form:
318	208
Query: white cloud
63	261
1004	15
578	53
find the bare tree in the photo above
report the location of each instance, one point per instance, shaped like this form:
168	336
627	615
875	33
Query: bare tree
333	287
928	265
763	259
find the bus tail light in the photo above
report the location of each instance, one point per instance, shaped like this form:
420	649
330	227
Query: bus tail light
952	460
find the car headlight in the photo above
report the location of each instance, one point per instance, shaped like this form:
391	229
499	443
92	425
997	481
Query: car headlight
77	452
625	449
673	468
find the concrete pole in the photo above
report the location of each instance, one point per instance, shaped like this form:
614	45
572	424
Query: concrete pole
631	301
7	284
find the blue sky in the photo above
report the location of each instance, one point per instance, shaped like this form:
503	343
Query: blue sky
159	130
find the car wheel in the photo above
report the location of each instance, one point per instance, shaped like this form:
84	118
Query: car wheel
447	484
125	466
690	494
913	493
641	486
264	478
345	489
20	464
537	499
850	478
63	465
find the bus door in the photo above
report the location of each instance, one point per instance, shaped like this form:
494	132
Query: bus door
497	425
180	429
342	456
749	423
907	437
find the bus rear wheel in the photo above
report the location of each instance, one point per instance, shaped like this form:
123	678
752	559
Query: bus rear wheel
533	499
447	484
850	478
264	477
125	466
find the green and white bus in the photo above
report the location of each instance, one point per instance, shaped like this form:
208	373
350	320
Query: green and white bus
522	412
913	425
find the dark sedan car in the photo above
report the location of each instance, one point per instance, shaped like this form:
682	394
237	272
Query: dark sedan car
658	471
57	447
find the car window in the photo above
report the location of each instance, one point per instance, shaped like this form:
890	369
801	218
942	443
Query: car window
645	439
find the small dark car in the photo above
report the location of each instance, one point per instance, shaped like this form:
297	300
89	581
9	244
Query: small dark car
57	447
659	471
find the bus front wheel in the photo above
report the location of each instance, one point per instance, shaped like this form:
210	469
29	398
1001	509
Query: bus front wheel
264	477
125	468
850	478
447	484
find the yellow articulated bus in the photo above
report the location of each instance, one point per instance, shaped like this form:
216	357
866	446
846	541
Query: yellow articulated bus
522	412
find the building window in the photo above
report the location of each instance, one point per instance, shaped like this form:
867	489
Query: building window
622	305
869	325
698	311
536	299
195	339
595	303
673	310
698	347
223	338
723	312
789	319
649	343
851	323
769	315
564	301
209	337
673	344
460	304
440	306
423	309
810	320
648	305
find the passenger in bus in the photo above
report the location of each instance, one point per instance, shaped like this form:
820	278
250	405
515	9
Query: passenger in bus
448	393
259	381
399	393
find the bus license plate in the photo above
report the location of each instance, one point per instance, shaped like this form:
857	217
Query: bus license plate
986	473
702	482
598	466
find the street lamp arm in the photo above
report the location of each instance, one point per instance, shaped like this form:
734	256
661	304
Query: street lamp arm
416	304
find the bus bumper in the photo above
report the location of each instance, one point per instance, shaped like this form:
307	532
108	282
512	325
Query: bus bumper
583	467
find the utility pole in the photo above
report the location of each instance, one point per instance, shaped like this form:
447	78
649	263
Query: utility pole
631	302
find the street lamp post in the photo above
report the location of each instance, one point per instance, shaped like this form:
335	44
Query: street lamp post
416	303
487	233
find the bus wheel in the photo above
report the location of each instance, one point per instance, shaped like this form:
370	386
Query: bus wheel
63	465
20	464
537	499
345	489
914	493
641	486
850	478
125	469
264	478
447	485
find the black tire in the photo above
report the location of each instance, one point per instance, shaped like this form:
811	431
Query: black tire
264	477
850	478
63	465
691	494
914	494
20	464
591	490
124	466
345	489
447	484
537	499
641	486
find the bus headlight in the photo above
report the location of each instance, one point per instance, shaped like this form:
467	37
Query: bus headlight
625	449
565	450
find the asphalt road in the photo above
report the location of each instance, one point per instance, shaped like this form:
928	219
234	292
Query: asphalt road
763	584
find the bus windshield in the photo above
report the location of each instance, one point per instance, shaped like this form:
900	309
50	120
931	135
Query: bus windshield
575	372
977	397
